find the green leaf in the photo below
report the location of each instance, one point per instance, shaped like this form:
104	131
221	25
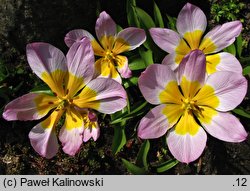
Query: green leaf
42	89
158	17
242	112
144	18
137	64
171	22
131	14
142	155
131	82
135	111
166	165
246	70
118	28
133	168
239	45
231	49
119	139
147	56
245	60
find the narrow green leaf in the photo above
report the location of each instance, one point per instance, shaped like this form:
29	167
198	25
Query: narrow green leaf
137	64
135	111
141	160
245	60
147	56
231	49
242	112
42	89
133	168
119	139
144	18
166	165
131	14
246	70
171	22
239	45
158	17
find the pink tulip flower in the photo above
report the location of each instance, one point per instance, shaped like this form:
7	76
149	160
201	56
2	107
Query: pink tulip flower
71	80
188	103
112	44
191	25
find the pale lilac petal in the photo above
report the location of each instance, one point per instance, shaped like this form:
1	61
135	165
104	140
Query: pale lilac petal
220	37
193	67
170	60
166	39
223	62
44	141
105	26
102	94
91	133
154	80
229	87
122	66
31	106
43	136
72	132
76	36
49	64
223	126
44	57
129	39
154	124
80	59
191	18
186	148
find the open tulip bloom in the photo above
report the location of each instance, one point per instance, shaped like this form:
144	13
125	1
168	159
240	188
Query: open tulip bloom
75	94
191	25
189	103
110	47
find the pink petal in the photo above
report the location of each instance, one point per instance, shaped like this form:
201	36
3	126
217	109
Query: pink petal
221	36
224	126
156	123
76	36
48	63
91	133
229	87
44	57
102	94
71	132
170	60
105	26
122	66
166	39
227	62
129	39
43	136
191	18
27	108
186	148
80	59
193	67
154	80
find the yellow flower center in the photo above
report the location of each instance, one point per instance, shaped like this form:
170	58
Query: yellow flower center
64	103
109	55
191	107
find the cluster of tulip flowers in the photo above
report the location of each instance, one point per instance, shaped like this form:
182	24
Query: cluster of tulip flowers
193	88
